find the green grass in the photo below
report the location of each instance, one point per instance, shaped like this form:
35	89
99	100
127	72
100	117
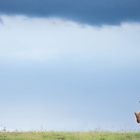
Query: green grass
68	136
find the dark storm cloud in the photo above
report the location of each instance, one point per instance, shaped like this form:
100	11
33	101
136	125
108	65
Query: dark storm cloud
86	11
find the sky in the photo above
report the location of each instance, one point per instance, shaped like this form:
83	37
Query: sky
69	65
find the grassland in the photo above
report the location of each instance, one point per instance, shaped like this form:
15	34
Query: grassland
68	136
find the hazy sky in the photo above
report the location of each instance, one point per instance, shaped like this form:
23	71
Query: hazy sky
65	71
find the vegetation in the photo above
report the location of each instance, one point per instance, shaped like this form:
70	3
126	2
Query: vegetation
68	136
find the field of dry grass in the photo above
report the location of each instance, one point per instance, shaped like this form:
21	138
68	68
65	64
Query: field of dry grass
68	136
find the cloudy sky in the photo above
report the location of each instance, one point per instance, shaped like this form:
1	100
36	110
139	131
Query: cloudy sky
69	65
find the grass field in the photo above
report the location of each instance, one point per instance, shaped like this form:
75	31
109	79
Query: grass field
68	136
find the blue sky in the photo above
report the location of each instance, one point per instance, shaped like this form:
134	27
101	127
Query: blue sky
64	73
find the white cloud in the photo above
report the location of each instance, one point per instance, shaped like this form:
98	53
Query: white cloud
38	39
